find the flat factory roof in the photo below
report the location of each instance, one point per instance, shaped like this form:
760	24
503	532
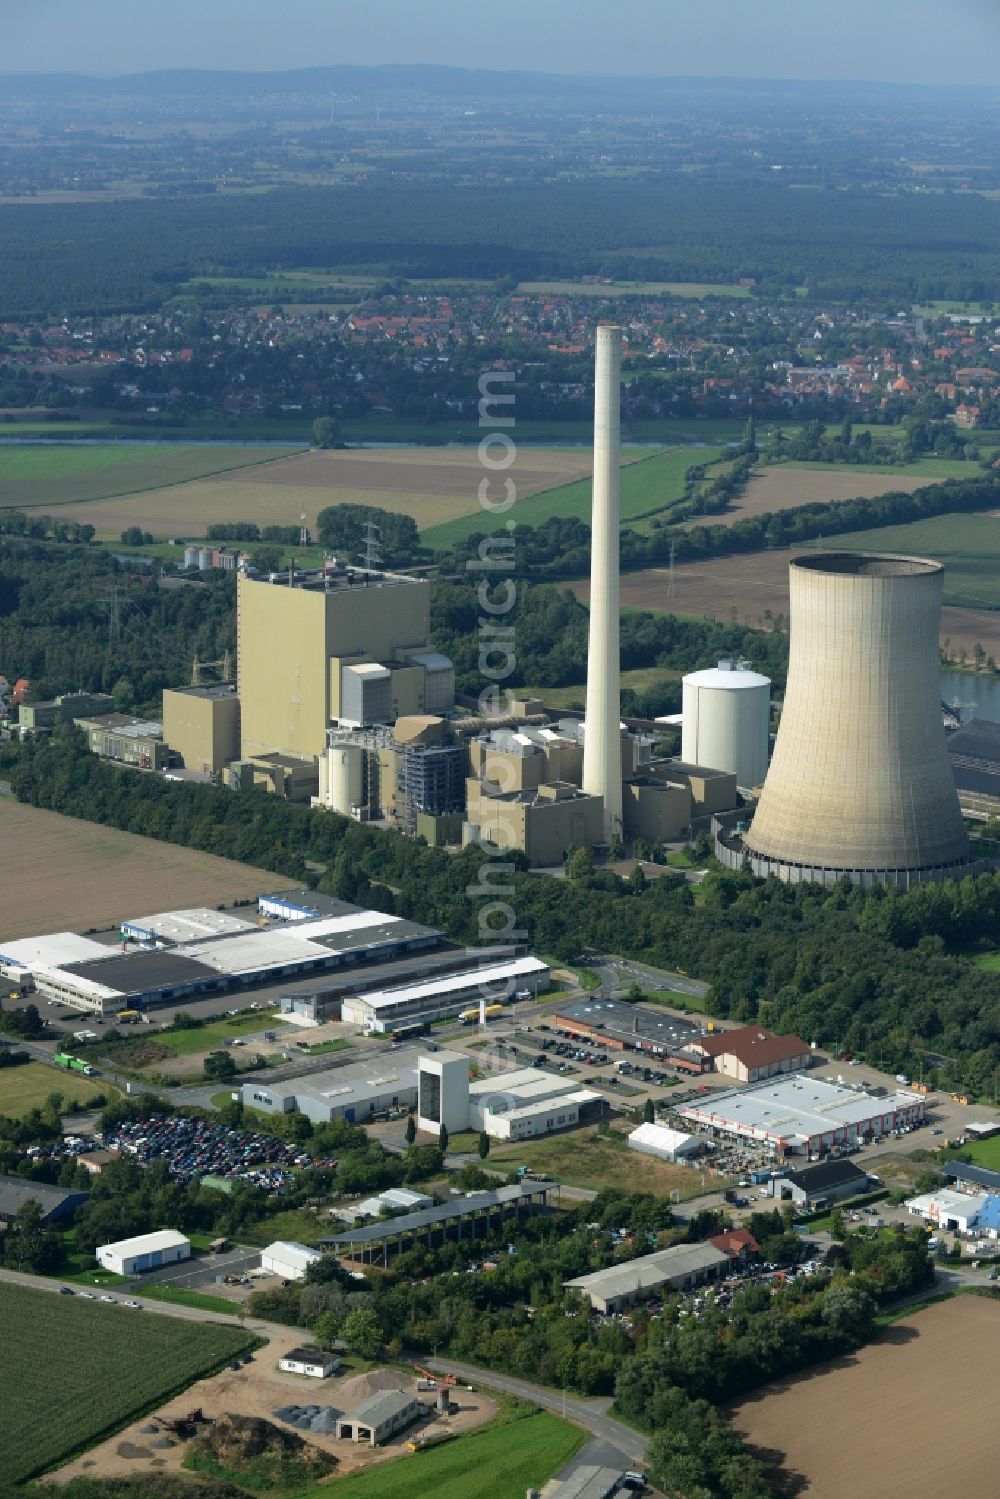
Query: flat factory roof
50	951
796	1107
255	952
190	925
361	1080
454	983
139	972
633	1022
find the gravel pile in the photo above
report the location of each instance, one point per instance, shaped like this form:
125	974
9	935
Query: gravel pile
321	1418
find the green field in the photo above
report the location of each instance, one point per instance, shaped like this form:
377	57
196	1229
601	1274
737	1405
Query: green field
77	1371
212	1036
923	468
968	546
518	1451
985	1153
650	484
196	1299
584	1158
25	1088
639	678
49	476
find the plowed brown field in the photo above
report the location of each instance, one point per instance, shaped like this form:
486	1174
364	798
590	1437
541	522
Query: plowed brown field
61	874
742	588
908	1417
783	488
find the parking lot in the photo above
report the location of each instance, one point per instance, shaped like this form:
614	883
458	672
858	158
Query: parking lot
193	1147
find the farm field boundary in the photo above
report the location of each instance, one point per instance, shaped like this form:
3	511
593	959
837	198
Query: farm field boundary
649	484
51	476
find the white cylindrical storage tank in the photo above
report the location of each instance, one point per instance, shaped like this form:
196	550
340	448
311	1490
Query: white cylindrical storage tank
344	778
726	717
191	556
860	784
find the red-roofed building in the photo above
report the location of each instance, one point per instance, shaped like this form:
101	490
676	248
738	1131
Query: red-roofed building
748	1054
738	1243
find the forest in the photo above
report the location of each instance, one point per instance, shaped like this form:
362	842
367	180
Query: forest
75	619
842	245
880	973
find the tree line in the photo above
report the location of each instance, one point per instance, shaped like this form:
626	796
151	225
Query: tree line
881	973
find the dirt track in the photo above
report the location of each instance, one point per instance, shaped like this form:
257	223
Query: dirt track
741	588
910	1416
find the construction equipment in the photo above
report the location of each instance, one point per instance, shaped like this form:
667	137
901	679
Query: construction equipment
448	1379
425	1439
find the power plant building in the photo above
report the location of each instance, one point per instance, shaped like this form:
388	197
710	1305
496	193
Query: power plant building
860	785
725	721
202	725
332	643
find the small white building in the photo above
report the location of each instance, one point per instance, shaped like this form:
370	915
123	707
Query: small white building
948	1209
289	1260
145	1252
317	1363
392	1200
667	1144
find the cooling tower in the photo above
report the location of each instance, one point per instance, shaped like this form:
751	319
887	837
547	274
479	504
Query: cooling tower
602	745
860	783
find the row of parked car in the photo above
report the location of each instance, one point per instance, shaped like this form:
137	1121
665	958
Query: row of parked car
193	1147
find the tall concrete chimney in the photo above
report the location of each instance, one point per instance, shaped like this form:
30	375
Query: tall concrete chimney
602	745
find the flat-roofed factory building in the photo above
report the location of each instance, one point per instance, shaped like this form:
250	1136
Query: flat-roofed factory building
804	1115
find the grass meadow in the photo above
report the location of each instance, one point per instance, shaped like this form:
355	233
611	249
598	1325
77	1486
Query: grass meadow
49	476
648	485
25	1088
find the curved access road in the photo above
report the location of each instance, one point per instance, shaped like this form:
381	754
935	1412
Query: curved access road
590	1414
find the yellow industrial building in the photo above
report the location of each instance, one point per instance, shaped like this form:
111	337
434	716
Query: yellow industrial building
332	643
202	725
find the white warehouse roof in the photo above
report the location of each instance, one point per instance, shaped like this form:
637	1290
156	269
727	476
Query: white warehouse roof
163	1238
454	983
255	952
191	925
648	1271
794	1107
53	950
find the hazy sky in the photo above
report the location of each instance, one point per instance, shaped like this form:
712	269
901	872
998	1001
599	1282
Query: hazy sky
947	41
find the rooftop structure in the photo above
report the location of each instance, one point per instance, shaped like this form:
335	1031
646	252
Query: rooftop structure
860	784
355	1091
628	1027
184	926
667	1144
749	1054
56	1203
804	1114
470	1215
680	1267
957	1211
977	1176
190	951
445	994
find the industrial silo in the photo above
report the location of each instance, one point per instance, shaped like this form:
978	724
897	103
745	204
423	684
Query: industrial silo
341	786
860	783
725	721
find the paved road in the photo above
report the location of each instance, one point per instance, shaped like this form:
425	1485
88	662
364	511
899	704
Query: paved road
161	1308
590	1414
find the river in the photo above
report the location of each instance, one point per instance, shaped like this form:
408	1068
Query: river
978	696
